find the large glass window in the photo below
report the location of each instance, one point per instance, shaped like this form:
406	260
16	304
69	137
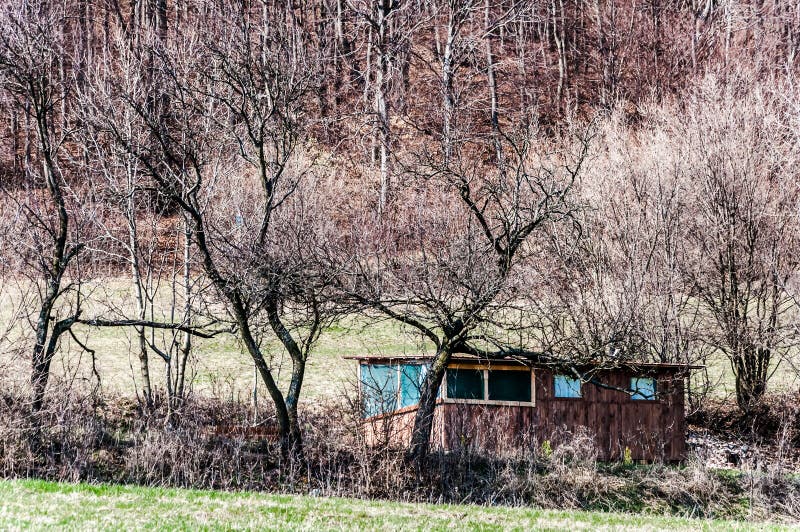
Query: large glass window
387	387
378	388
490	385
411	379
643	388
464	384
566	386
508	385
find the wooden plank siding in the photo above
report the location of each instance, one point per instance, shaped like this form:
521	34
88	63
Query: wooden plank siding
652	430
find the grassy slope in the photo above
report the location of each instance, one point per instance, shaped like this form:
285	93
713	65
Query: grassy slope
38	504
222	368
220	365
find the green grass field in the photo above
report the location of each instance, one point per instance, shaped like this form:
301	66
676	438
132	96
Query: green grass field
33	504
220	366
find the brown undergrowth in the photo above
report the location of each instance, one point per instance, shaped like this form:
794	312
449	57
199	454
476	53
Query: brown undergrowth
776	416
212	444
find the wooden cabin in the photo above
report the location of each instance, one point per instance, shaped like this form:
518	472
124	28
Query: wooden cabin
498	405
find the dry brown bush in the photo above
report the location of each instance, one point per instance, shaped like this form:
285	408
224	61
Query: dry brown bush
775	419
210	444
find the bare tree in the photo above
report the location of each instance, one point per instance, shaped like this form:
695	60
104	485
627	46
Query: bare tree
137	228
240	89
447	264
32	55
743	236
615	292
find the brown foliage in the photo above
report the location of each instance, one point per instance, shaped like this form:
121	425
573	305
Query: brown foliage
95	439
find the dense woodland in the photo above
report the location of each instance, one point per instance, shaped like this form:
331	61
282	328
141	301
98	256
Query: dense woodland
563	181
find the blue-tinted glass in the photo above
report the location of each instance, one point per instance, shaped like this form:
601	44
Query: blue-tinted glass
411	377
644	388
378	388
566	386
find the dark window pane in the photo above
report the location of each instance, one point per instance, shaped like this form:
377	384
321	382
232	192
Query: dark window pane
378	388
566	386
411	377
510	386
464	384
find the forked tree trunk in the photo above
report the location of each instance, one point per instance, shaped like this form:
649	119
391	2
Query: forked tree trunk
238	309
751	369
40	372
293	435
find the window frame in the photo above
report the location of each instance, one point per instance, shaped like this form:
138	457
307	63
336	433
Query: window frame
653	398
485	371
398	392
571	398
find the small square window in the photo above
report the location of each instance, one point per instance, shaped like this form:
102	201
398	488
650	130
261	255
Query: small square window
464	384
566	386
643	388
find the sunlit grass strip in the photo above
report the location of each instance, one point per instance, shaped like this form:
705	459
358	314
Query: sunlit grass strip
34	504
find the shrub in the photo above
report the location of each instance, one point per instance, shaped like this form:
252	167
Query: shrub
211	444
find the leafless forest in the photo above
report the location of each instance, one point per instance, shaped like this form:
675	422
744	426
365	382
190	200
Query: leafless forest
564	181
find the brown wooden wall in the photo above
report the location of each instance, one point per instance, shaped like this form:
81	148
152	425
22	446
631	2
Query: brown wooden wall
652	430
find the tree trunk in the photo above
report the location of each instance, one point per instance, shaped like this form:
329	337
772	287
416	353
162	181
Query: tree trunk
138	290
492	83
559	39
292	399
285	429
239	312
751	369
381	105
43	356
185	349
294	435
423	421
448	99
44	347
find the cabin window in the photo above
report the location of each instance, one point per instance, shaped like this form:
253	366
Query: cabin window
411	379
490	385
643	388
379	388
387	387
507	385
465	384
567	387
